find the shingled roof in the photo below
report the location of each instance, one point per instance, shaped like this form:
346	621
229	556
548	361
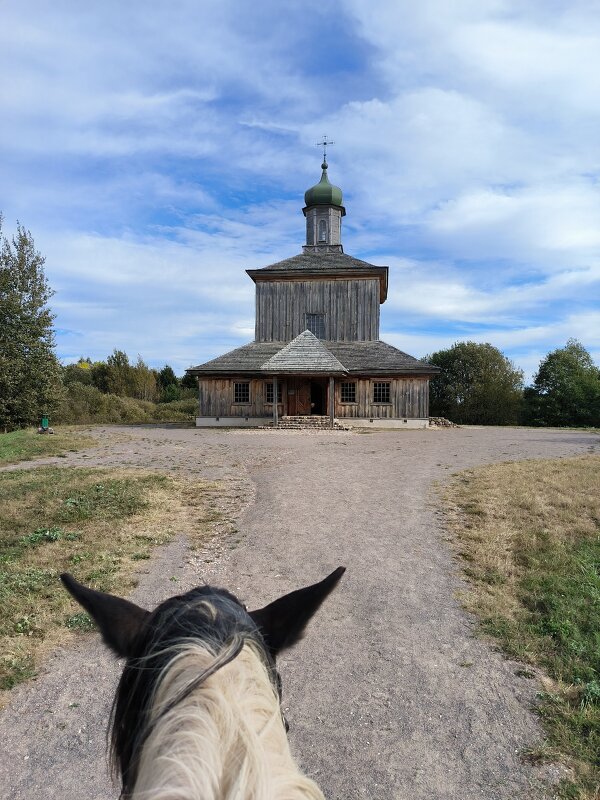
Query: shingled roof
320	261
372	358
321	265
304	355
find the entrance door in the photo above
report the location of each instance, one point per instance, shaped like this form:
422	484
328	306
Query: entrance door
298	396
302	397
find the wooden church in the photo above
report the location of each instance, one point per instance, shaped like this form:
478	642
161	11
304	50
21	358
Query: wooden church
316	350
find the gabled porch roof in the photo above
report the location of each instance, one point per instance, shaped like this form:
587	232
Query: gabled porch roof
304	355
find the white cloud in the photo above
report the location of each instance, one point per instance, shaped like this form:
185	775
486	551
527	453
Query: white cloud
156	154
549	224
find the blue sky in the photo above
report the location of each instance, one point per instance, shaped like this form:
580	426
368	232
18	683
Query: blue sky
157	150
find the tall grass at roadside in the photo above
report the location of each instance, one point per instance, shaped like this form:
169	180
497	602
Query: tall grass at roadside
97	524
529	536
86	404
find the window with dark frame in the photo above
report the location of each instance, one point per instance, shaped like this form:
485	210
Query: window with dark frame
269	393
348	392
316	324
381	391
241	392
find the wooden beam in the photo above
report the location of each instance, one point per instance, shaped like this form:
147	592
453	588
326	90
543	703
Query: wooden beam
275	407
331	400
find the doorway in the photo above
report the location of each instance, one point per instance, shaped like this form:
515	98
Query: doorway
318	397
306	396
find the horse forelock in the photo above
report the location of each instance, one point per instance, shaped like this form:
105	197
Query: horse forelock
209	618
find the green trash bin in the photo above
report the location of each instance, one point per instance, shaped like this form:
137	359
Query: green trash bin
45	423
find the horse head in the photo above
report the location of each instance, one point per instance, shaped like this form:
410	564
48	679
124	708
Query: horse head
208	625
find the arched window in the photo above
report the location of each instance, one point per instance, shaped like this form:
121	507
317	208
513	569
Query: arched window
322	230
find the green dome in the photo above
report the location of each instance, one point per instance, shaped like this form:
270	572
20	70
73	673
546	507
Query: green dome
323	193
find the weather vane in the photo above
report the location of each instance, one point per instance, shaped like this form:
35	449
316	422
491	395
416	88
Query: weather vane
324	144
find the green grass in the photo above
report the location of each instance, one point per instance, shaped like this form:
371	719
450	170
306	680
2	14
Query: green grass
94	523
529	537
27	444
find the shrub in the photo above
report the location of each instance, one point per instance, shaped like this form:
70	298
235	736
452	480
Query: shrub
87	404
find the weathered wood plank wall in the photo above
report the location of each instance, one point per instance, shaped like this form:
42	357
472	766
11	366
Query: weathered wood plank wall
409	398
351	309
216	398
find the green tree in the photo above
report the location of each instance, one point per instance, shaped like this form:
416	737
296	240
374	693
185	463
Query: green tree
166	377
189	382
566	389
101	376
477	385
81	372
168	385
143	381
120	379
30	375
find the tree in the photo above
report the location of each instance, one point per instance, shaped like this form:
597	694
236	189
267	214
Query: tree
144	381
189	382
81	372
30	376
101	376
166	377
477	385
168	385
566	389
120	378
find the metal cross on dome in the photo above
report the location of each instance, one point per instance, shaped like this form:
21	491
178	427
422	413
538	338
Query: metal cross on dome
324	144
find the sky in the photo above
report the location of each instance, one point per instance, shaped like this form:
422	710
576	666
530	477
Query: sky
157	150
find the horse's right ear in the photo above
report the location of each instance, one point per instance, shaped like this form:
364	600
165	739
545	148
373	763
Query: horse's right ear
119	620
282	622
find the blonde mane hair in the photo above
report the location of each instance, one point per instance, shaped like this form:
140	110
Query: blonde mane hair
197	713
225	740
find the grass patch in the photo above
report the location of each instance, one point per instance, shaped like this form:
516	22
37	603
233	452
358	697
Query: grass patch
529	533
97	524
27	444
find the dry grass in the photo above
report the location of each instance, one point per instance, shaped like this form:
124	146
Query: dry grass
529	537
97	524
27	444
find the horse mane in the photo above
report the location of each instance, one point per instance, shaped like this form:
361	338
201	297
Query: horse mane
200	718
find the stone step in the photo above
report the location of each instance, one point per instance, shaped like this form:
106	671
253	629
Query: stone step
308	423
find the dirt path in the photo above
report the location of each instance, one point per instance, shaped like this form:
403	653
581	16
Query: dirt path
389	695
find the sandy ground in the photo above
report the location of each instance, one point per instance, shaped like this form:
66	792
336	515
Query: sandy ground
390	694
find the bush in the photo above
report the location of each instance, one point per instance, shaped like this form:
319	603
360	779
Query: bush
87	404
188	406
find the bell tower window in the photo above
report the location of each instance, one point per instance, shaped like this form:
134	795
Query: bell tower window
322	231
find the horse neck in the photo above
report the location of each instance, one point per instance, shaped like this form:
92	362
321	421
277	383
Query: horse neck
225	741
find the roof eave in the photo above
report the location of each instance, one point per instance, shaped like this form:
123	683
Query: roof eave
268	274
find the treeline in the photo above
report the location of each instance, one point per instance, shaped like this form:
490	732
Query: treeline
479	385
118	376
117	391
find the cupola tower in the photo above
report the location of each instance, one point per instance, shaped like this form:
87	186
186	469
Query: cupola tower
323	211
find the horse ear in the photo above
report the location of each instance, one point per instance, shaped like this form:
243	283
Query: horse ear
119	620
282	622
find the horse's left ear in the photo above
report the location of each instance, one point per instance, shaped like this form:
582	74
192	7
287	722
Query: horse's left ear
282	622
119	620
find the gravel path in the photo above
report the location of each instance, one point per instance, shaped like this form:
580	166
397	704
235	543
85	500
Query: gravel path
389	695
